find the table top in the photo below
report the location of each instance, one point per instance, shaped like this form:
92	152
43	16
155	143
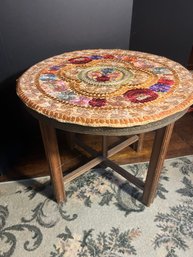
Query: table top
107	88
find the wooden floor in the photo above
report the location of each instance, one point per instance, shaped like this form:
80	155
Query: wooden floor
33	163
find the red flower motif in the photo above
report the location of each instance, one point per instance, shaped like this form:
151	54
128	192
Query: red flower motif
97	102
79	60
140	95
127	58
103	78
108	56
166	81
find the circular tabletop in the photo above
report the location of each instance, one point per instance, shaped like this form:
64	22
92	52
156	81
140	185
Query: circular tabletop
107	88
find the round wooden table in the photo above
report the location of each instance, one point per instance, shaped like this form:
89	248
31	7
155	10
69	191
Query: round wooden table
109	93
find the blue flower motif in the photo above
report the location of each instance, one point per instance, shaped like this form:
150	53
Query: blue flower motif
56	67
160	87
95	57
45	77
161	70
67	95
107	70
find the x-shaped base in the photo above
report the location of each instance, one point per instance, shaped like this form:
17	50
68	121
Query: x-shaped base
149	187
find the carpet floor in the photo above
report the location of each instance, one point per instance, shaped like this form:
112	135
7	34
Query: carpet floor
102	216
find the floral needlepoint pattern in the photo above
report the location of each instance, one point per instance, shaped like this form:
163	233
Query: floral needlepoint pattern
165	81
160	87
79	60
48	76
162	70
140	95
96	57
54	68
129	58
97	102
135	87
108	56
103	78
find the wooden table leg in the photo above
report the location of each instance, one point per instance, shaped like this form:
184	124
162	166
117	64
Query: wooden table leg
52	153
159	150
137	146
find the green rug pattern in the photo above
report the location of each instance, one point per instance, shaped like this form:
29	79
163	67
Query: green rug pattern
102	216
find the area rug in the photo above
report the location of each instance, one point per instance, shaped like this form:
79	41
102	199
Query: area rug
102	217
